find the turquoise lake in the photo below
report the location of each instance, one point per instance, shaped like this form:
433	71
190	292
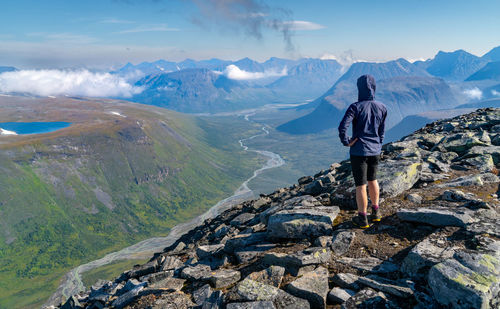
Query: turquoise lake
34	127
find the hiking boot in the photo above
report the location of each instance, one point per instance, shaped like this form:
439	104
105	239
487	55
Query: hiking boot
376	216
361	221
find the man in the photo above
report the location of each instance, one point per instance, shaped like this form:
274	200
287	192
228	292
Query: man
368	126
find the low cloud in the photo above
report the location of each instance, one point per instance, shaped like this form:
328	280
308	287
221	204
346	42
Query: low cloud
473	93
149	28
301	25
345	59
495	93
59	82
233	72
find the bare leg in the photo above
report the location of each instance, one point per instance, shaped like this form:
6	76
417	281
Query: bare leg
373	190
361	198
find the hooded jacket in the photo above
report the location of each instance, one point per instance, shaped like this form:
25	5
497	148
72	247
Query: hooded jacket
368	120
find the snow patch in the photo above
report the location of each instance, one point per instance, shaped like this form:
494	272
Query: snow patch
7	132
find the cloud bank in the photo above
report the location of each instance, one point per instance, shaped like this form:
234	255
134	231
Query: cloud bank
474	93
233	72
59	82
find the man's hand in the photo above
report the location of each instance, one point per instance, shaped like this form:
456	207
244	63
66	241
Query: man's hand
353	142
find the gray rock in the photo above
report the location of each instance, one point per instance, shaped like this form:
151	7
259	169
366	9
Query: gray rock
202	294
209	250
397	176
461	142
437	216
341	241
366	298
142	270
339	295
272	275
248	254
127	298
385	285
488	223
323	241
180	246
430	251
176	300
346	281
249	290
414	198
194	273
242	241
242	219
304	180
215	301
222	278
493	151
468	280
292	262
252	305
454	195
155	277
312	286
314	188
484	163
370	264
302	222
261	202
171	263
173	284
471	180
71	303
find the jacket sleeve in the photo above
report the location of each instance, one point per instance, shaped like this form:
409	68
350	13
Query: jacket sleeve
381	128
344	124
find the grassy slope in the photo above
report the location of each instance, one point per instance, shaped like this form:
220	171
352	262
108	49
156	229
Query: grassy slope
73	196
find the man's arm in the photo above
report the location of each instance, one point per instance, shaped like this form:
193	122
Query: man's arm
344	124
381	128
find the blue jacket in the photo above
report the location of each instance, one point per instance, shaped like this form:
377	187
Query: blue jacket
368	120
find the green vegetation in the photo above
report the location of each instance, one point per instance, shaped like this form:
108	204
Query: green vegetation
74	197
109	271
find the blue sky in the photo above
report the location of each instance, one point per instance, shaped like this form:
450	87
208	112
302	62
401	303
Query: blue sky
108	33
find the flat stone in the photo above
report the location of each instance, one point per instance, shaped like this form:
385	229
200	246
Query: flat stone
454	195
174	284
468	280
346	281
222	278
484	163
242	219
127	298
493	151
142	270
397	176
312	286
471	180
209	250
250	290
302	222
414	198
261	202
341	241
437	216
202	294
366	298
385	285
194	273
272	275
425	254
242	241
292	262
339	295
155	277
488	223
461	142
370	264
252	305
250	253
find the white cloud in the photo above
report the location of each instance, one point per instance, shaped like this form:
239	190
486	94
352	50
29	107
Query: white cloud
59	82
473	93
302	25
495	93
233	72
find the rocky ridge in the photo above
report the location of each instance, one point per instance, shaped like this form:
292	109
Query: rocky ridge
437	246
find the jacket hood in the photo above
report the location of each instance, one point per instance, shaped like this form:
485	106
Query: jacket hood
366	88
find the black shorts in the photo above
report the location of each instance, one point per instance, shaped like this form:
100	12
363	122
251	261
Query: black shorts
364	169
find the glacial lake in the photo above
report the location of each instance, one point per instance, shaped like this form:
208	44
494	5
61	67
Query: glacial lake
33	127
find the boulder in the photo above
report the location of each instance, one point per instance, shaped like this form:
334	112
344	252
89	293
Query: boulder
367	298
397	176
468	280
427	253
292	262
302	222
461	142
127	298
339	295
202	294
71	303
209	250
242	219
471	180
272	275
248	254
171	263
195	273
437	216
223	278
414	198
341	241
312	286
171	284
215	301
346	281
483	163
242	241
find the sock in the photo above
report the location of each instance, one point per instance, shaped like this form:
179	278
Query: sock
375	207
362	213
